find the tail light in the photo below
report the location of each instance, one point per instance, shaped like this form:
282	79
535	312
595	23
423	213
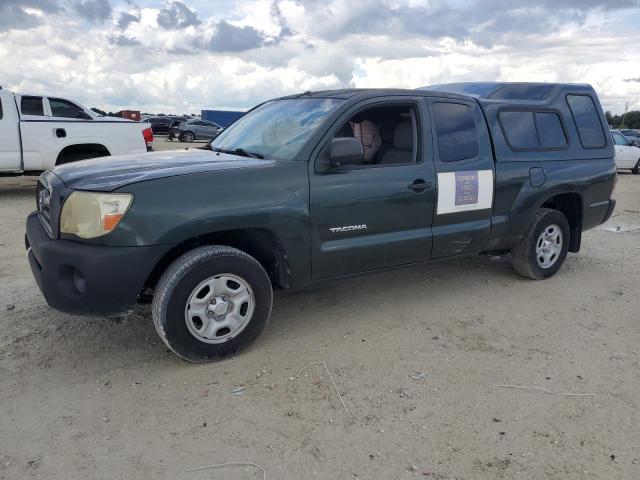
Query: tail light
147	133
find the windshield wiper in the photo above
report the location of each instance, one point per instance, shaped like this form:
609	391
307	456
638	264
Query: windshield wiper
239	151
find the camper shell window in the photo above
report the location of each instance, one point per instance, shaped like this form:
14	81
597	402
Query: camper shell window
587	121
535	130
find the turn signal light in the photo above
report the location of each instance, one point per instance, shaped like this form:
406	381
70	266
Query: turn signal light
110	221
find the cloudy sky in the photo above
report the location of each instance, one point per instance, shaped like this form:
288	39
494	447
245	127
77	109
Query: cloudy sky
181	56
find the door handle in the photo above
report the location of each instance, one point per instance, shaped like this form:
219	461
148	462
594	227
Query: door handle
419	186
61	132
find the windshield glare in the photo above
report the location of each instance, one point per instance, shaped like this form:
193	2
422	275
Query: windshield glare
277	129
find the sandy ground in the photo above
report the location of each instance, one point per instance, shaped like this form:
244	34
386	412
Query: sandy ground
416	353
163	143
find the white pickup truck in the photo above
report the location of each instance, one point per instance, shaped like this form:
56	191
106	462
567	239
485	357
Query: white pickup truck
39	132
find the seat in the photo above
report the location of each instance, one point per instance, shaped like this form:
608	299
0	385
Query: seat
387	129
402	150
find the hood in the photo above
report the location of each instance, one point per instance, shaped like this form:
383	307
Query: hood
110	173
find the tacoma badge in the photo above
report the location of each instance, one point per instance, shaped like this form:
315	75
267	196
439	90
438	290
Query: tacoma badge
348	228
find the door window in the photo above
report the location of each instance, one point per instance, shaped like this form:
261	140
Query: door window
619	139
66	109
389	135
0	109
31	106
457	134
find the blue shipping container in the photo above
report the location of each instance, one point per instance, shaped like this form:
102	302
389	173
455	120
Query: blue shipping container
223	118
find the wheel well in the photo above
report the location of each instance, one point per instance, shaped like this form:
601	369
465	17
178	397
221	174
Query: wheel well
261	244
82	151
571	205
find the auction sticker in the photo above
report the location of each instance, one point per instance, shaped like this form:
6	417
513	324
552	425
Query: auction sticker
465	190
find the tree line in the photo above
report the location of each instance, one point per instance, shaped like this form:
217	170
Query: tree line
627	120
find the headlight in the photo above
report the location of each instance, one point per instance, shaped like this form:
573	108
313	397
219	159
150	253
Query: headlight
92	214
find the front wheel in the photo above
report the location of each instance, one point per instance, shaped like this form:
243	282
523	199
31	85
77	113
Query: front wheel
543	249
636	170
211	302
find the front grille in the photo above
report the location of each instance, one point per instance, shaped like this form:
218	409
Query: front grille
43	201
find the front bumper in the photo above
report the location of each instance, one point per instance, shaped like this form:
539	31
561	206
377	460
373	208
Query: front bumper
88	279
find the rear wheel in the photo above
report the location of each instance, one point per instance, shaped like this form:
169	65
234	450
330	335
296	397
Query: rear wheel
71	157
543	249
188	137
211	302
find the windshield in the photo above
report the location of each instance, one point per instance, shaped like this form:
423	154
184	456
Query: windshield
277	129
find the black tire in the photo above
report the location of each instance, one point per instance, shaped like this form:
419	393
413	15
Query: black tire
183	276
187	137
636	170
523	255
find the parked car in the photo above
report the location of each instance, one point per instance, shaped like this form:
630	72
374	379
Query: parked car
302	189
162	125
632	135
38	132
196	130
627	154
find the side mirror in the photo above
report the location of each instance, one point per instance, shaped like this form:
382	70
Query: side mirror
633	143
346	151
83	116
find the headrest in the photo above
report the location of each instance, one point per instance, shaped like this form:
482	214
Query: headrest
403	136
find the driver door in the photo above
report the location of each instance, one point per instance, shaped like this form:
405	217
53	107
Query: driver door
376	214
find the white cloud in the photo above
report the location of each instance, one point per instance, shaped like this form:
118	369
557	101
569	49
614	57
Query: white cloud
252	51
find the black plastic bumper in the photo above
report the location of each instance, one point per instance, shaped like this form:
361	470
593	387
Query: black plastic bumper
88	279
612	206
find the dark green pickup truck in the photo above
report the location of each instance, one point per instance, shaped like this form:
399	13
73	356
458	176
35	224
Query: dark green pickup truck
317	186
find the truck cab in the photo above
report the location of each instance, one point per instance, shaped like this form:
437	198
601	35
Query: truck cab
319	186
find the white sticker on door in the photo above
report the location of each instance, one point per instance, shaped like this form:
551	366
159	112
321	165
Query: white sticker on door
465	190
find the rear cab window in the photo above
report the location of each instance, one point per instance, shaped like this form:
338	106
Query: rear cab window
31	106
587	120
456	129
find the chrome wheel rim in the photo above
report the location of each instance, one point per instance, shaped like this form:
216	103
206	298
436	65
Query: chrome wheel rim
549	246
219	308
